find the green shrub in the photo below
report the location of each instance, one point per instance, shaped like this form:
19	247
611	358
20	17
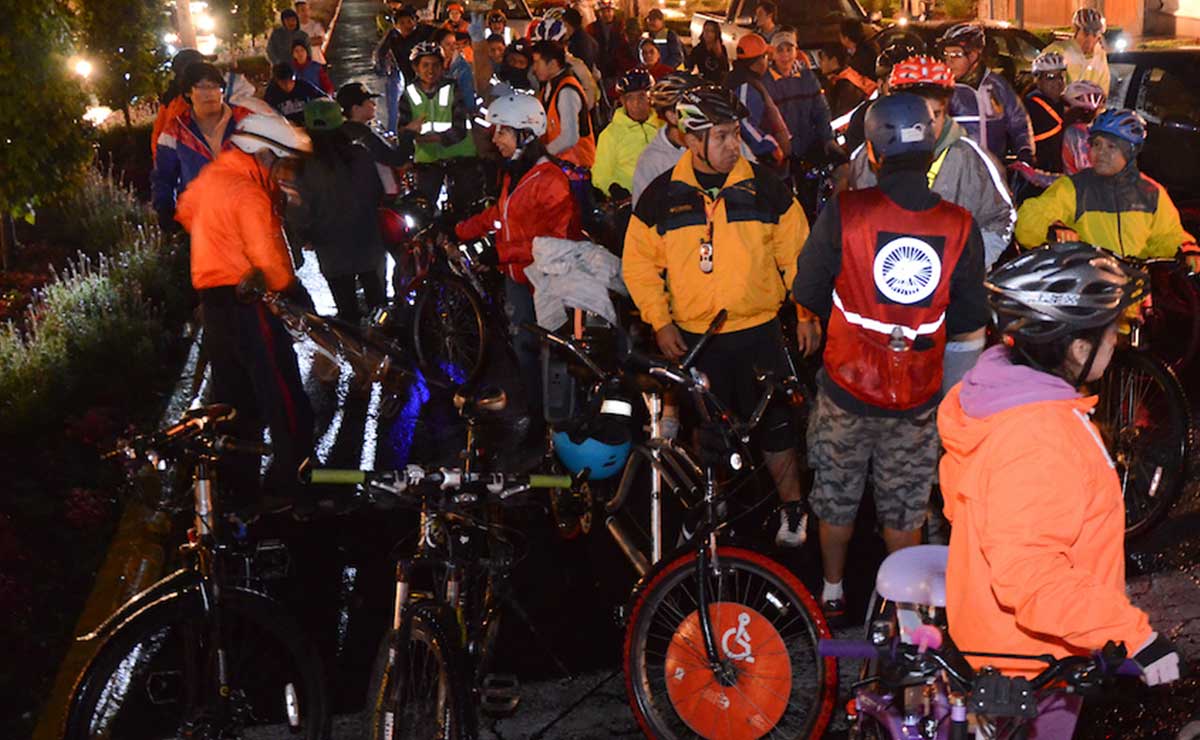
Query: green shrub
101	214
960	8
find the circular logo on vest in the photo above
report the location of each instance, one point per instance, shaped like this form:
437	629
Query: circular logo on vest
907	270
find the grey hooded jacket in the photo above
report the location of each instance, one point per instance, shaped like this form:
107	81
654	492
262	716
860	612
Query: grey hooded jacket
967	177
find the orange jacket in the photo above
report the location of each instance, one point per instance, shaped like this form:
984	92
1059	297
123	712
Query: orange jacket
166	114
583	152
1037	556
229	212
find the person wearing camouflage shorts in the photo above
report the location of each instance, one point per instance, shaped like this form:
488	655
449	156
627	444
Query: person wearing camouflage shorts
895	271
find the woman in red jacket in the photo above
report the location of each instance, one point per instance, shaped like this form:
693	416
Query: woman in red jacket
535	200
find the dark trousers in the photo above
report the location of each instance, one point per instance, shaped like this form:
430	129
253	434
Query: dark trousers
254	369
519	308
345	293
465	187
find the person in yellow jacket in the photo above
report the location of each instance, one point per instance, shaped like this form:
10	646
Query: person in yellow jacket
1037	560
1084	51
633	127
726	233
1111	204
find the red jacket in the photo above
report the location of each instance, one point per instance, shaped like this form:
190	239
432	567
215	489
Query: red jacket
539	205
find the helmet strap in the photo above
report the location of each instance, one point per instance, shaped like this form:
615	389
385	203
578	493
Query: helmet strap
1087	366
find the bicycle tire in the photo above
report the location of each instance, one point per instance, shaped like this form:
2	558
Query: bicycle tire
1143	418
449	330
433	627
1174	326
178	620
798	623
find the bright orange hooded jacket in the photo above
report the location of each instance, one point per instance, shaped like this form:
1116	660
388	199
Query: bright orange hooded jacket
229	212
1037	550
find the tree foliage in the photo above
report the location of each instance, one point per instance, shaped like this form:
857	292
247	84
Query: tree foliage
245	18
42	142
123	39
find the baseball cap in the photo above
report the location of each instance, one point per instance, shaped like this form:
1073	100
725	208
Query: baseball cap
751	46
783	37
201	71
322	114
352	94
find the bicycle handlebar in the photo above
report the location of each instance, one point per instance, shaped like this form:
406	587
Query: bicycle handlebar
502	486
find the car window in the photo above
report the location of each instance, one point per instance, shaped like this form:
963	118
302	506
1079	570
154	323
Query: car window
810	11
1021	47
1122	75
1167	94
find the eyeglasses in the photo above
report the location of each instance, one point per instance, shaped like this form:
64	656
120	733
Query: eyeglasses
208	86
1050	76
954	54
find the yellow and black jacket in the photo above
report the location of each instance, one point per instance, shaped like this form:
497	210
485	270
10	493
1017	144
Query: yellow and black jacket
1128	214
757	229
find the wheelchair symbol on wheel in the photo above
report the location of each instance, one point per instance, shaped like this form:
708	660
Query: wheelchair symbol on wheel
907	270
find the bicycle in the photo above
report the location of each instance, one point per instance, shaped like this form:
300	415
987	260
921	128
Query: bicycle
919	685
435	660
1144	418
199	654
720	640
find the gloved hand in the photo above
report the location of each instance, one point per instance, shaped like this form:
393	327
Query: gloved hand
1158	659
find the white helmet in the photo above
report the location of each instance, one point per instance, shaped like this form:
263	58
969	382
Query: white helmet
270	131
518	111
1049	61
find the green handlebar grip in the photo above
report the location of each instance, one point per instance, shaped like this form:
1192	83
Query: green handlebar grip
336	476
549	481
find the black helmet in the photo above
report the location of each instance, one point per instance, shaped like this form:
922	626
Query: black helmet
665	92
967	35
1060	289
635	80
898	124
897	51
703	107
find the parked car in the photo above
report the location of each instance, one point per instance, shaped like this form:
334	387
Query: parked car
816	21
1160	84
1008	50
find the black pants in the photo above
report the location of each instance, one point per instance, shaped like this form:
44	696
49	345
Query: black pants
254	369
345	294
465	187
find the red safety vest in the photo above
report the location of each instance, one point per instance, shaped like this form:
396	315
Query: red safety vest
887	332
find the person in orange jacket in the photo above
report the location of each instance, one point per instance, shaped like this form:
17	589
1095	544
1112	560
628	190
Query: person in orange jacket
1037	557
236	231
535	200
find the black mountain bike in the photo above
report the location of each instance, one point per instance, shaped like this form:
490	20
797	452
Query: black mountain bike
199	654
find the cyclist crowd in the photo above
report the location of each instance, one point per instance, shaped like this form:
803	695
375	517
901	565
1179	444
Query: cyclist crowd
893	280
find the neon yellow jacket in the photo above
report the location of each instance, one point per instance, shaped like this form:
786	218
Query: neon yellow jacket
617	151
1082	67
1127	214
758	229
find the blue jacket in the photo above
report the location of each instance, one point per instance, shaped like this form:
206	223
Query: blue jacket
180	153
670	48
802	105
994	102
463	74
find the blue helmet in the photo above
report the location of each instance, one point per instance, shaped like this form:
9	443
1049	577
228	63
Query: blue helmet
898	124
1123	124
600	443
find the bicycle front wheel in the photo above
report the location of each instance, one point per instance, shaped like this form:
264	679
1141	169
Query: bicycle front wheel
1143	417
419	688
773	683
449	331
156	677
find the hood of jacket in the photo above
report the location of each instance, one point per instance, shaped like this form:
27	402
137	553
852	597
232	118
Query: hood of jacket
951	132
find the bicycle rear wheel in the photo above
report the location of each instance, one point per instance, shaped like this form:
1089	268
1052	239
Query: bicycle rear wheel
155	677
419	688
767	627
1174	322
1143	418
449	331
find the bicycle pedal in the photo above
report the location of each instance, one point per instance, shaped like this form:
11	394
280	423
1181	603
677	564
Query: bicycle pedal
500	694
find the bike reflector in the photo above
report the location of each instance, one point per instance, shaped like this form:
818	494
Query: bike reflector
759	665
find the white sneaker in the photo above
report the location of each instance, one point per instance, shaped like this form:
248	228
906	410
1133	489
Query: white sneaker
793	525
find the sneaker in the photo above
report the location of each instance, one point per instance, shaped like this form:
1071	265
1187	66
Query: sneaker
793	525
835	612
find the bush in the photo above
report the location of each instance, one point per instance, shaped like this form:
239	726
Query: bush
101	215
128	148
103	311
960	8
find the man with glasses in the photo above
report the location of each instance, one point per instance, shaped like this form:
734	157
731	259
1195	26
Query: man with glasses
984	103
1045	106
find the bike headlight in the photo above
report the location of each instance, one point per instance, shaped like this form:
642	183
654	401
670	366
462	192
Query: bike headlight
882	632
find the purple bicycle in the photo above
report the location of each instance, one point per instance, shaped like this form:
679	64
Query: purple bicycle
918	686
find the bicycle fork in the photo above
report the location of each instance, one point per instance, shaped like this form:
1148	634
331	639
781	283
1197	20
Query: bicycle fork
706	560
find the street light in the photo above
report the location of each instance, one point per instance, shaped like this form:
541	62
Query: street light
82	67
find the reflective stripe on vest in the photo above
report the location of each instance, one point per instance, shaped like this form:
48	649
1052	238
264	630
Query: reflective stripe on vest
1058	121
438	112
936	167
888	329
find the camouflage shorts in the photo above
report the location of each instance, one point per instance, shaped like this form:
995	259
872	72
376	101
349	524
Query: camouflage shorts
900	453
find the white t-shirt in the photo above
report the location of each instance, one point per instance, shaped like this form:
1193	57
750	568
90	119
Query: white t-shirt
316	38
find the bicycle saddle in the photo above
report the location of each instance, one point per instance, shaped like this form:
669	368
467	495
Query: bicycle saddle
485	400
914	575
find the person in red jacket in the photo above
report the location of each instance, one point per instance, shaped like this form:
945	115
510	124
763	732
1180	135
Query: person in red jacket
535	200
